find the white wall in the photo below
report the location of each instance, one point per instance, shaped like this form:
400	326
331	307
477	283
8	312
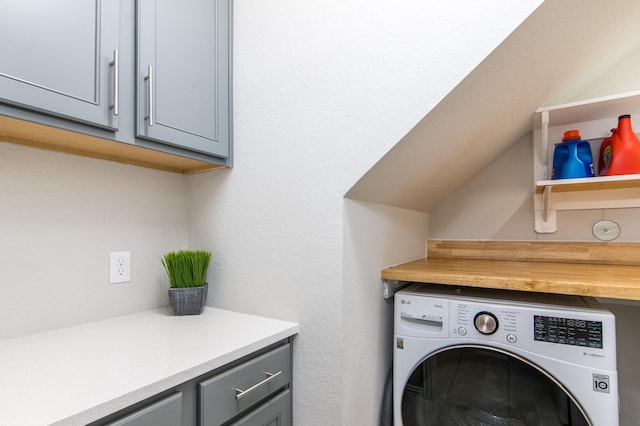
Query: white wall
322	89
500	198
627	317
375	236
60	216
497	204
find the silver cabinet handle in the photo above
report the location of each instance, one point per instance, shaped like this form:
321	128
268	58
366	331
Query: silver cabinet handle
116	82
242	393
149	79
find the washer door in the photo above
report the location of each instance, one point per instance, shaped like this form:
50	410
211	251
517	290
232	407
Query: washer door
469	385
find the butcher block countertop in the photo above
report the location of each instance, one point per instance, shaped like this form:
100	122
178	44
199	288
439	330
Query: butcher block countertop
596	269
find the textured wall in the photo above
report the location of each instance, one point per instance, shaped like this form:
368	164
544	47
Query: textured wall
498	204
500	198
60	216
375	236
322	89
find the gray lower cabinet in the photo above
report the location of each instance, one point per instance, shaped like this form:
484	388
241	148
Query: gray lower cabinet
275	412
233	392
58	57
165	412
253	391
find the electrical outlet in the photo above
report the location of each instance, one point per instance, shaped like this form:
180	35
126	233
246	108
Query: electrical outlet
119	267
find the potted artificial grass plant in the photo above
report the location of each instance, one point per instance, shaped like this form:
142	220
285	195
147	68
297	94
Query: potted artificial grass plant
187	271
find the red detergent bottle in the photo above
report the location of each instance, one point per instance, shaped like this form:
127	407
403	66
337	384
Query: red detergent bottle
620	153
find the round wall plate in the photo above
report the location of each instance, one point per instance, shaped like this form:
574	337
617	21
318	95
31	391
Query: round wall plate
606	230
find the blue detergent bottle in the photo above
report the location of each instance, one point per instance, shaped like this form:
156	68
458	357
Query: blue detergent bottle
572	158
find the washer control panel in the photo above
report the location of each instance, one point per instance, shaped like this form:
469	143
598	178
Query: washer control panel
568	331
497	321
551	329
584	331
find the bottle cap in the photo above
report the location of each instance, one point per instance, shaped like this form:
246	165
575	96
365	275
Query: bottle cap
571	135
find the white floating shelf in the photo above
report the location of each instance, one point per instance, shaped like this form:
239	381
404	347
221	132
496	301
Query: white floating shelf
594	118
590	184
592	109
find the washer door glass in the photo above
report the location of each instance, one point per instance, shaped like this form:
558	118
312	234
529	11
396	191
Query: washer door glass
481	386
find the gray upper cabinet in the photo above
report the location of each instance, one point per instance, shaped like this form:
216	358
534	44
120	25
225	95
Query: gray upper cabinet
58	57
145	82
183	74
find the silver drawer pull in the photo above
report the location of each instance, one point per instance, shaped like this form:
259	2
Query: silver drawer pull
149	79
242	393
116	82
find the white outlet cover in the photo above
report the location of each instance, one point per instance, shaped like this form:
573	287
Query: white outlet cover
119	267
606	230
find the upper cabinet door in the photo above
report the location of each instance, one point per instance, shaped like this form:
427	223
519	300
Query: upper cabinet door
58	57
183	77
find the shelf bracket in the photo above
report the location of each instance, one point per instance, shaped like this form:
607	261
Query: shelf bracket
546	202
544	140
390	287
545	213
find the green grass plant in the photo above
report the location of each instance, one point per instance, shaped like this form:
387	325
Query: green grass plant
186	268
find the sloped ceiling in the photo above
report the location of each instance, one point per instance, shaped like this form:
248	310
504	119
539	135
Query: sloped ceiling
561	48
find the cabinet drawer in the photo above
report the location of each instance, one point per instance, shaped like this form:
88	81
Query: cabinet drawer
275	412
166	412
232	392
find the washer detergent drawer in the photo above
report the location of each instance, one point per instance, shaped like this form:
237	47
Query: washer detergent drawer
232	392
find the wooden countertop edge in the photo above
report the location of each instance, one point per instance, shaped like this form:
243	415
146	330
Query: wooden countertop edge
598	280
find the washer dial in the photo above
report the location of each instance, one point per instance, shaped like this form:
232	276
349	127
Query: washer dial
486	322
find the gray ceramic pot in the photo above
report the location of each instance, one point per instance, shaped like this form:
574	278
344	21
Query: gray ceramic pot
189	300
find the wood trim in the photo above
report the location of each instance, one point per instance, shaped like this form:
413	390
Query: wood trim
43	137
602	253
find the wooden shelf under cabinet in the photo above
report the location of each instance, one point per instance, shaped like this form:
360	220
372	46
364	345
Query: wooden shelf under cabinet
35	135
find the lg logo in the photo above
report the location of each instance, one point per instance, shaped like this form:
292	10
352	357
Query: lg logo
601	383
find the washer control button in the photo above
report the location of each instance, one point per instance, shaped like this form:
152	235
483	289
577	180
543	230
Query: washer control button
511	338
486	322
462	331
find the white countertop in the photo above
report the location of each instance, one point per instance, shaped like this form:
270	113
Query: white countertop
80	374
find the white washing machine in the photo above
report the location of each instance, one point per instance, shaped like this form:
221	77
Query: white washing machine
465	356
